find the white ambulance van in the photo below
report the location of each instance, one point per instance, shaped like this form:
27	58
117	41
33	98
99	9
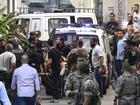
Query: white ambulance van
47	21
85	32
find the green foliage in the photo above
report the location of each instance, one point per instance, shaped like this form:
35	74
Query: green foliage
3	25
9	27
2	10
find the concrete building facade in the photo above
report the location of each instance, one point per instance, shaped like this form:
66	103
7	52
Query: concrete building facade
11	5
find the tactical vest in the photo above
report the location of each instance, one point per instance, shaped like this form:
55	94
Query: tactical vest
129	85
95	99
138	85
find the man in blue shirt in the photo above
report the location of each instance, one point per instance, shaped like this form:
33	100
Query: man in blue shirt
3	95
120	51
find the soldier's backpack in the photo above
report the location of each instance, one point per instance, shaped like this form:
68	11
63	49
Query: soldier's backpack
72	58
129	85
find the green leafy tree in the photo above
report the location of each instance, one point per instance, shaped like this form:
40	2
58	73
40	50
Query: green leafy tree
3	23
9	27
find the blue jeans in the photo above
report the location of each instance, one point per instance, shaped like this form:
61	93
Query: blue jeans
23	101
98	77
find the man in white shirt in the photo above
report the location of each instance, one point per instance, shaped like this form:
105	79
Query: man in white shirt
97	60
7	64
136	17
7	59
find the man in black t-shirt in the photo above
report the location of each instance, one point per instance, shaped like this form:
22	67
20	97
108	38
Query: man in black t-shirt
60	45
112	24
54	57
36	60
39	43
131	54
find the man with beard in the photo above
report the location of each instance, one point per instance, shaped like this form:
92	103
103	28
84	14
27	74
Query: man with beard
60	45
97	62
136	16
112	24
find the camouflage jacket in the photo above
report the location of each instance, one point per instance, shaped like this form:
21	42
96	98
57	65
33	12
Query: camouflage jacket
119	87
73	82
89	87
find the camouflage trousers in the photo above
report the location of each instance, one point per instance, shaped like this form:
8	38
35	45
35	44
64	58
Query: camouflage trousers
126	102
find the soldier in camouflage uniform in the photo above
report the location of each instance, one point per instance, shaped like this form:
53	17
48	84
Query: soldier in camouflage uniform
74	55
125	87
72	84
81	52
88	92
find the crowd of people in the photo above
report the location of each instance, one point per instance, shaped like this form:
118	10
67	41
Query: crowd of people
125	49
22	68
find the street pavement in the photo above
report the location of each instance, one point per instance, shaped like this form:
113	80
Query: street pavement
107	99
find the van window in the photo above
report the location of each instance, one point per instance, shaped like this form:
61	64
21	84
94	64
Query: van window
86	40
24	25
69	37
54	22
37	7
84	20
35	24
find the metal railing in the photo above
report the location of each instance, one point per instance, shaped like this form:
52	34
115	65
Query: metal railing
23	10
79	10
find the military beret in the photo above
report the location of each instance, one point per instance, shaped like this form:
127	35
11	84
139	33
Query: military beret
83	65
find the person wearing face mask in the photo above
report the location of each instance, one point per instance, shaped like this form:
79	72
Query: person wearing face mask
96	58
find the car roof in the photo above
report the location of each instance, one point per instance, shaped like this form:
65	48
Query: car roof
79	31
56	14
